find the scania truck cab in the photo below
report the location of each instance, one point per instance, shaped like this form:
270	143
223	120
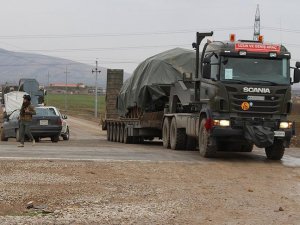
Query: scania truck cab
244	92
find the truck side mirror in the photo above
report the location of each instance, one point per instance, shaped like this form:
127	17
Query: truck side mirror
296	75
206	71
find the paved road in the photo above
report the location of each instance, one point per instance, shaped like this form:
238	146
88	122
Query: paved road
88	142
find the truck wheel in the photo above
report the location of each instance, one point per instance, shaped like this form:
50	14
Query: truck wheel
166	133
276	150
121	133
205	148
3	138
177	136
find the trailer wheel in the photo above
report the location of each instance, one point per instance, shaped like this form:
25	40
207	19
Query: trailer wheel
206	148
177	136
117	138
166	133
127	139
108	131
121	133
276	150
115	133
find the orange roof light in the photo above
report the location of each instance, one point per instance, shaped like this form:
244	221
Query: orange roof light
232	37
261	38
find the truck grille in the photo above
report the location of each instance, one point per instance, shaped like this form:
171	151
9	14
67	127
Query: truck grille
271	104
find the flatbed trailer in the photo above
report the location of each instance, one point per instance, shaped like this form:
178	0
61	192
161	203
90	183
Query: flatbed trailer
239	96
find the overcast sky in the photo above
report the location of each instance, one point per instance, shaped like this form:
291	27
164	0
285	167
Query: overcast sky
122	33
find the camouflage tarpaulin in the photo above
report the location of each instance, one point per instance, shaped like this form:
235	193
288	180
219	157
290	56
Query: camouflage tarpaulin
144	86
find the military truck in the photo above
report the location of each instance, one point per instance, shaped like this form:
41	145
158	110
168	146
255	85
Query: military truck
32	87
230	96
28	85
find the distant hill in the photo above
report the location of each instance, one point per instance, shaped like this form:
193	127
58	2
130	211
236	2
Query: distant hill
16	65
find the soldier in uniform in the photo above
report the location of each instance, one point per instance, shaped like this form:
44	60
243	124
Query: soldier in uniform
26	112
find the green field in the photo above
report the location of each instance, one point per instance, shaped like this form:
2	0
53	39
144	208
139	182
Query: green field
78	105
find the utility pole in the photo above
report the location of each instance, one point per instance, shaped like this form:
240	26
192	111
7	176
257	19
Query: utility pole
96	88
66	87
48	79
48	86
256	24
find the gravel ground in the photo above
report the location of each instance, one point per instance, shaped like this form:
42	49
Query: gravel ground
137	192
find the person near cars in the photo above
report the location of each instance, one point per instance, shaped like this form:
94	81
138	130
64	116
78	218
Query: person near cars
26	112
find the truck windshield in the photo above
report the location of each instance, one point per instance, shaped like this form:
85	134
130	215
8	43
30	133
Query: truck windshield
255	70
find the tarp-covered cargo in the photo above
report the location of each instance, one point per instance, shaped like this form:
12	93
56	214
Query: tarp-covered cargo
145	86
13	101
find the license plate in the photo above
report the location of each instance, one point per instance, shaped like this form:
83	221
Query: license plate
279	133
43	122
255	98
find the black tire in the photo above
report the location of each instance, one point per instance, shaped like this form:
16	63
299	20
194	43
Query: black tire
108	132
191	143
17	135
37	139
118	133
127	139
66	136
206	148
166	133
111	132
115	133
276	150
3	138
55	139
121	133
177	136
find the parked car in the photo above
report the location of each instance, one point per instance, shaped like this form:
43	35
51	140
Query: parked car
44	124
65	131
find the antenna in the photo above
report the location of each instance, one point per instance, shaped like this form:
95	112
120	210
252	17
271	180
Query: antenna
256	24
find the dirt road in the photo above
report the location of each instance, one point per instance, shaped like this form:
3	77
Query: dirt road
91	181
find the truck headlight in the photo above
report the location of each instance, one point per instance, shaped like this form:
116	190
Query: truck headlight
285	125
222	123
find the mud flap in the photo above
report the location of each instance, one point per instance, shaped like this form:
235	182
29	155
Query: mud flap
261	136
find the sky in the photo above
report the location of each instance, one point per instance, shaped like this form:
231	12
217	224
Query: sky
122	33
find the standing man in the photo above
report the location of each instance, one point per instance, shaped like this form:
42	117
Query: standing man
26	112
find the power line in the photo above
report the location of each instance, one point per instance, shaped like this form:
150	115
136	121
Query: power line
38	36
95	35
